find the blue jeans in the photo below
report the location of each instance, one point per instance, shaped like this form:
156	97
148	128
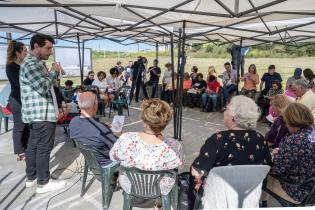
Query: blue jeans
227	90
206	96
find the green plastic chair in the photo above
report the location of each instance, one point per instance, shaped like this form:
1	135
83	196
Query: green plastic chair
106	174
145	184
122	100
308	201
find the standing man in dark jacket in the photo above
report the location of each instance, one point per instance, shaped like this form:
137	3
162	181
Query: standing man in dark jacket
138	78
155	73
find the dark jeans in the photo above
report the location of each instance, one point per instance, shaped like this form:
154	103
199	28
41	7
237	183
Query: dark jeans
137	85
38	150
20	129
154	85
227	90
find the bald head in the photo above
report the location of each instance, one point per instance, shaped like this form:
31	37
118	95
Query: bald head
88	102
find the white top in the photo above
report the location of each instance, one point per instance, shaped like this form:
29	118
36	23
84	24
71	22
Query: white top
102	85
113	83
167	76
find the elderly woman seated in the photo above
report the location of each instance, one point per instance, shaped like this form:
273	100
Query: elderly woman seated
294	160
149	150
278	130
239	145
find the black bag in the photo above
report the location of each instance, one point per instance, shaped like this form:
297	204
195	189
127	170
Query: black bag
183	185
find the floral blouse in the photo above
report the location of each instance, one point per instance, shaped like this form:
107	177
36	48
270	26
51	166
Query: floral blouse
132	151
273	92
295	162
232	147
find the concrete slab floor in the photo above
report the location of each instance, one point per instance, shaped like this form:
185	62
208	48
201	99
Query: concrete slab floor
66	160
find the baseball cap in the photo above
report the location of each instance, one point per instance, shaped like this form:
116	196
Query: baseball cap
297	72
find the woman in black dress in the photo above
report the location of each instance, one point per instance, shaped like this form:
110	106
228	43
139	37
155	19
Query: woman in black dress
16	52
239	145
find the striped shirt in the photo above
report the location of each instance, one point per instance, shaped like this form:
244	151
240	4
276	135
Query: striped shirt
36	96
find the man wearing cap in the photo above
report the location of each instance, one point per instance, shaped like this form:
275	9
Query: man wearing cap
297	75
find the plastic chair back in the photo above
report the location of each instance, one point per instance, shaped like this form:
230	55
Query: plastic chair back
145	184
234	186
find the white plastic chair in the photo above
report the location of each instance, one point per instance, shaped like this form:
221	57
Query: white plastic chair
234	186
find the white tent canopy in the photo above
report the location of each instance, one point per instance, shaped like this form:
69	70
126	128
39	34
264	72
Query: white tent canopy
252	21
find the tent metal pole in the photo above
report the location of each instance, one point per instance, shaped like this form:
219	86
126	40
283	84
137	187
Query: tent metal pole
85	15
156	51
240	66
173	85
175	104
83	45
37	30
158	14
56	23
80	63
9	37
181	76
79	18
260	7
225	8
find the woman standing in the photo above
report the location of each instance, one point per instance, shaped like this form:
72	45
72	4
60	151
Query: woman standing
16	52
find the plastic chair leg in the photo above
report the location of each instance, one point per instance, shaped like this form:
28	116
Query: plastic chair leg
110	109
127	109
6	124
166	202
174	194
84	178
127	204
107	188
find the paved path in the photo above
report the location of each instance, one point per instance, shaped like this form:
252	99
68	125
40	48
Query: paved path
65	159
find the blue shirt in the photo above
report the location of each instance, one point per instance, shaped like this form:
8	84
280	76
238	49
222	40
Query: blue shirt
91	132
268	79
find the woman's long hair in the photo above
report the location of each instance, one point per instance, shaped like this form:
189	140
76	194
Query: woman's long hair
13	47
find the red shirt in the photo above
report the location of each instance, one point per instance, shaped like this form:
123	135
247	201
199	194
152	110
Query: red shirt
213	85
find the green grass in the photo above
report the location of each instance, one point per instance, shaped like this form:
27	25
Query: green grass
285	66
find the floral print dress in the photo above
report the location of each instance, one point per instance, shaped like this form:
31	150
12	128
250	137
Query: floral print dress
132	151
295	162
232	147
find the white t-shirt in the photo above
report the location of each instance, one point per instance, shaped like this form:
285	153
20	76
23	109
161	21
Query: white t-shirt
102	85
167	76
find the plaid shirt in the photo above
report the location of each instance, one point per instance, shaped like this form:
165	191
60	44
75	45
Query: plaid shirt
36	97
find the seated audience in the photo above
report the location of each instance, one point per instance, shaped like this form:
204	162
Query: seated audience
67	91
113	84
265	102
100	82
89	79
193	75
149	150
187	84
241	144
305	95
167	76
87	129
169	91
294	160
297	75
251	80
267	80
197	90
309	76
278	130
229	82
211	71
211	92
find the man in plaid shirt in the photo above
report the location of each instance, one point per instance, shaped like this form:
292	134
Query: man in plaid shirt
40	110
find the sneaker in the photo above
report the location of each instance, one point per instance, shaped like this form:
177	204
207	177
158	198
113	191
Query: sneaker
30	183
50	186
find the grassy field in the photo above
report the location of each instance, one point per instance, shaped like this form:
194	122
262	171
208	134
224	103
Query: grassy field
285	66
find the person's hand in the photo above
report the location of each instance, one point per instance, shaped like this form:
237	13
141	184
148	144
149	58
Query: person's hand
275	151
118	134
57	68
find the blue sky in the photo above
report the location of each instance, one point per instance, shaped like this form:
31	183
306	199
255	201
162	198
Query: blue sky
106	45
